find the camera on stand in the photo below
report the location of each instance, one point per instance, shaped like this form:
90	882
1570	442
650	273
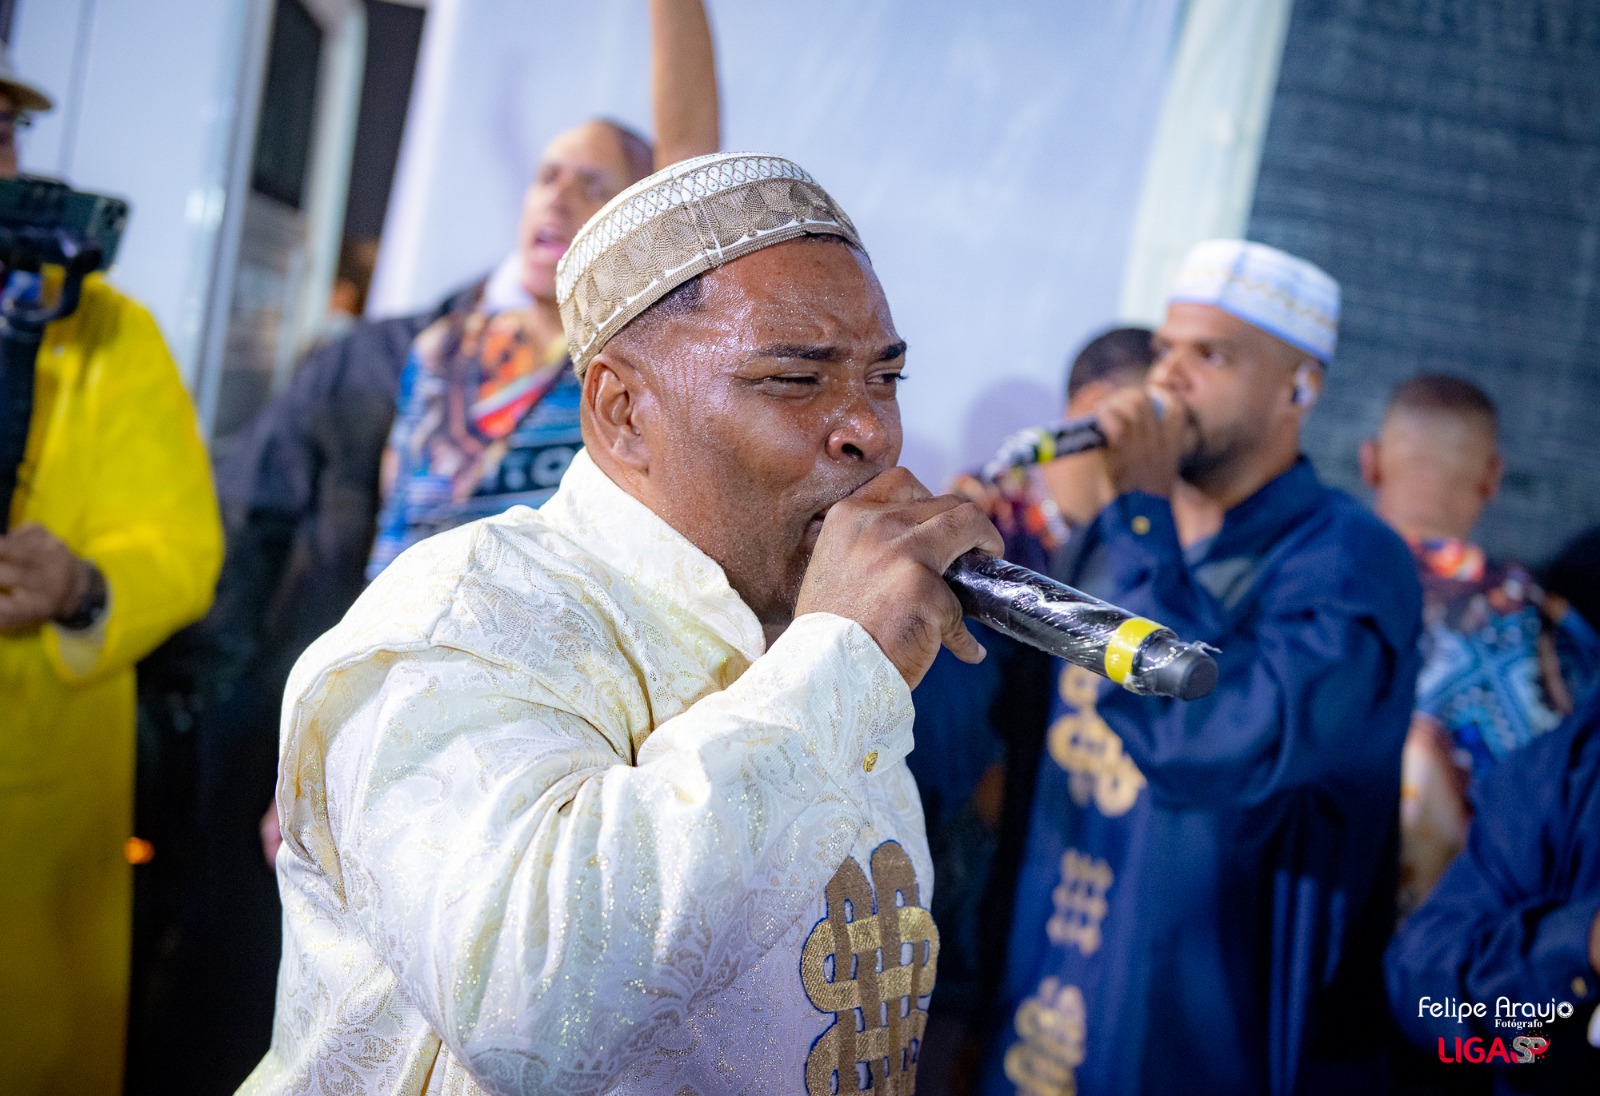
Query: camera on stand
43	223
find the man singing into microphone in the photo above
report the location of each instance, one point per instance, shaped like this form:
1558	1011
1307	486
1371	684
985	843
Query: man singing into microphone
611	796
1208	885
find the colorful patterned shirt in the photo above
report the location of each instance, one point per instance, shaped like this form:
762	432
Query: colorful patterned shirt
485	421
1502	662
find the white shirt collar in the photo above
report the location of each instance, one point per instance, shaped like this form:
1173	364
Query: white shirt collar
668	571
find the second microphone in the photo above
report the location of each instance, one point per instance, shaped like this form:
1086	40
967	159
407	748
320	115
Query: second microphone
1042	444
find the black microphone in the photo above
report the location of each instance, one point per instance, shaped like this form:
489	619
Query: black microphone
1138	654
1042	444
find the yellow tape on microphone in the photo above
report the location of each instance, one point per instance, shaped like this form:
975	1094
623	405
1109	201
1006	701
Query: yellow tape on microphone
1123	646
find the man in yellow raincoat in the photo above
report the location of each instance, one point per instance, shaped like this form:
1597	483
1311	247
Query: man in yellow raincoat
114	543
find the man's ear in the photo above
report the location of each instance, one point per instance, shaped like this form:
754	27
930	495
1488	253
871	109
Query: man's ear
1088	398
618	402
1491	477
1369	464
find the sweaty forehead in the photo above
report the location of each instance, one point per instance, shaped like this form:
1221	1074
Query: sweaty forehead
815	287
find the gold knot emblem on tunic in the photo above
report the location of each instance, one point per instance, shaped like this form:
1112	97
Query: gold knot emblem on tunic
1051	1026
1091	752
871	961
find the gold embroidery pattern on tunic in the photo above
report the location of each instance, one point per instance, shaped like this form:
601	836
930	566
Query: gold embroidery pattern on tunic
1053	1030
871	961
557	820
1091	752
1080	901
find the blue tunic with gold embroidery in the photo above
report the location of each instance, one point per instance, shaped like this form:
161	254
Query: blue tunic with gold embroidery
1207	886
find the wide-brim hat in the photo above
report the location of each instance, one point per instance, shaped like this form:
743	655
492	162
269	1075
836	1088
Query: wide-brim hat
29	97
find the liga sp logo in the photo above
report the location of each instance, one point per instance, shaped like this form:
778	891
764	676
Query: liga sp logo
1524	1049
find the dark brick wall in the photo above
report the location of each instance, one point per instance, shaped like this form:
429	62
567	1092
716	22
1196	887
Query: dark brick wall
1441	158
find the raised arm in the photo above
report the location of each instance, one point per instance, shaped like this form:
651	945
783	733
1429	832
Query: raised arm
684	81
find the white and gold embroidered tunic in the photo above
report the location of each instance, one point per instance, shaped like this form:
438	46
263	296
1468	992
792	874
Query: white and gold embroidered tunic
555	821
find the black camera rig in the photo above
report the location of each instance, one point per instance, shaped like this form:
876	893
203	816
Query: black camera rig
43	222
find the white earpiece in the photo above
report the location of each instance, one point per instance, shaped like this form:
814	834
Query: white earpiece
1304	393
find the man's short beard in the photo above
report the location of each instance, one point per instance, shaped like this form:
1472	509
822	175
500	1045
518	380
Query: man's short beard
776	606
1209	463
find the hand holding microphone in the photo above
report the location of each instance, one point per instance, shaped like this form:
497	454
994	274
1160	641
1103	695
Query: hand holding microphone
879	561
1144	443
1145	432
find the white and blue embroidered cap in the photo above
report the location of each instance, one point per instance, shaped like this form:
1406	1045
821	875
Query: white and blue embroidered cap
1282	295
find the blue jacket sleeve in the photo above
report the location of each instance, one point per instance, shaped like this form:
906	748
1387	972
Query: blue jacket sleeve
1503	920
1315	677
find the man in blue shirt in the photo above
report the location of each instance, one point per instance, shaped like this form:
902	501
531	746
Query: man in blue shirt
979	729
1208	886
1499	971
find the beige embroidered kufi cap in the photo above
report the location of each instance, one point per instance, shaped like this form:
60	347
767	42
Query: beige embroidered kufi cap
679	223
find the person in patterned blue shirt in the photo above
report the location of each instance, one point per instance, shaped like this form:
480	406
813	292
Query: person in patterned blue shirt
486	418
487	415
1503	662
1514	927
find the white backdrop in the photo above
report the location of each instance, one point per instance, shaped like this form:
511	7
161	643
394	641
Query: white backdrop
147	99
1201	177
991	154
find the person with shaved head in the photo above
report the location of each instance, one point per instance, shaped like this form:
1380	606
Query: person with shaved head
1503	662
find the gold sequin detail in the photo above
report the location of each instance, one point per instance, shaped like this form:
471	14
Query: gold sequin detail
871	761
